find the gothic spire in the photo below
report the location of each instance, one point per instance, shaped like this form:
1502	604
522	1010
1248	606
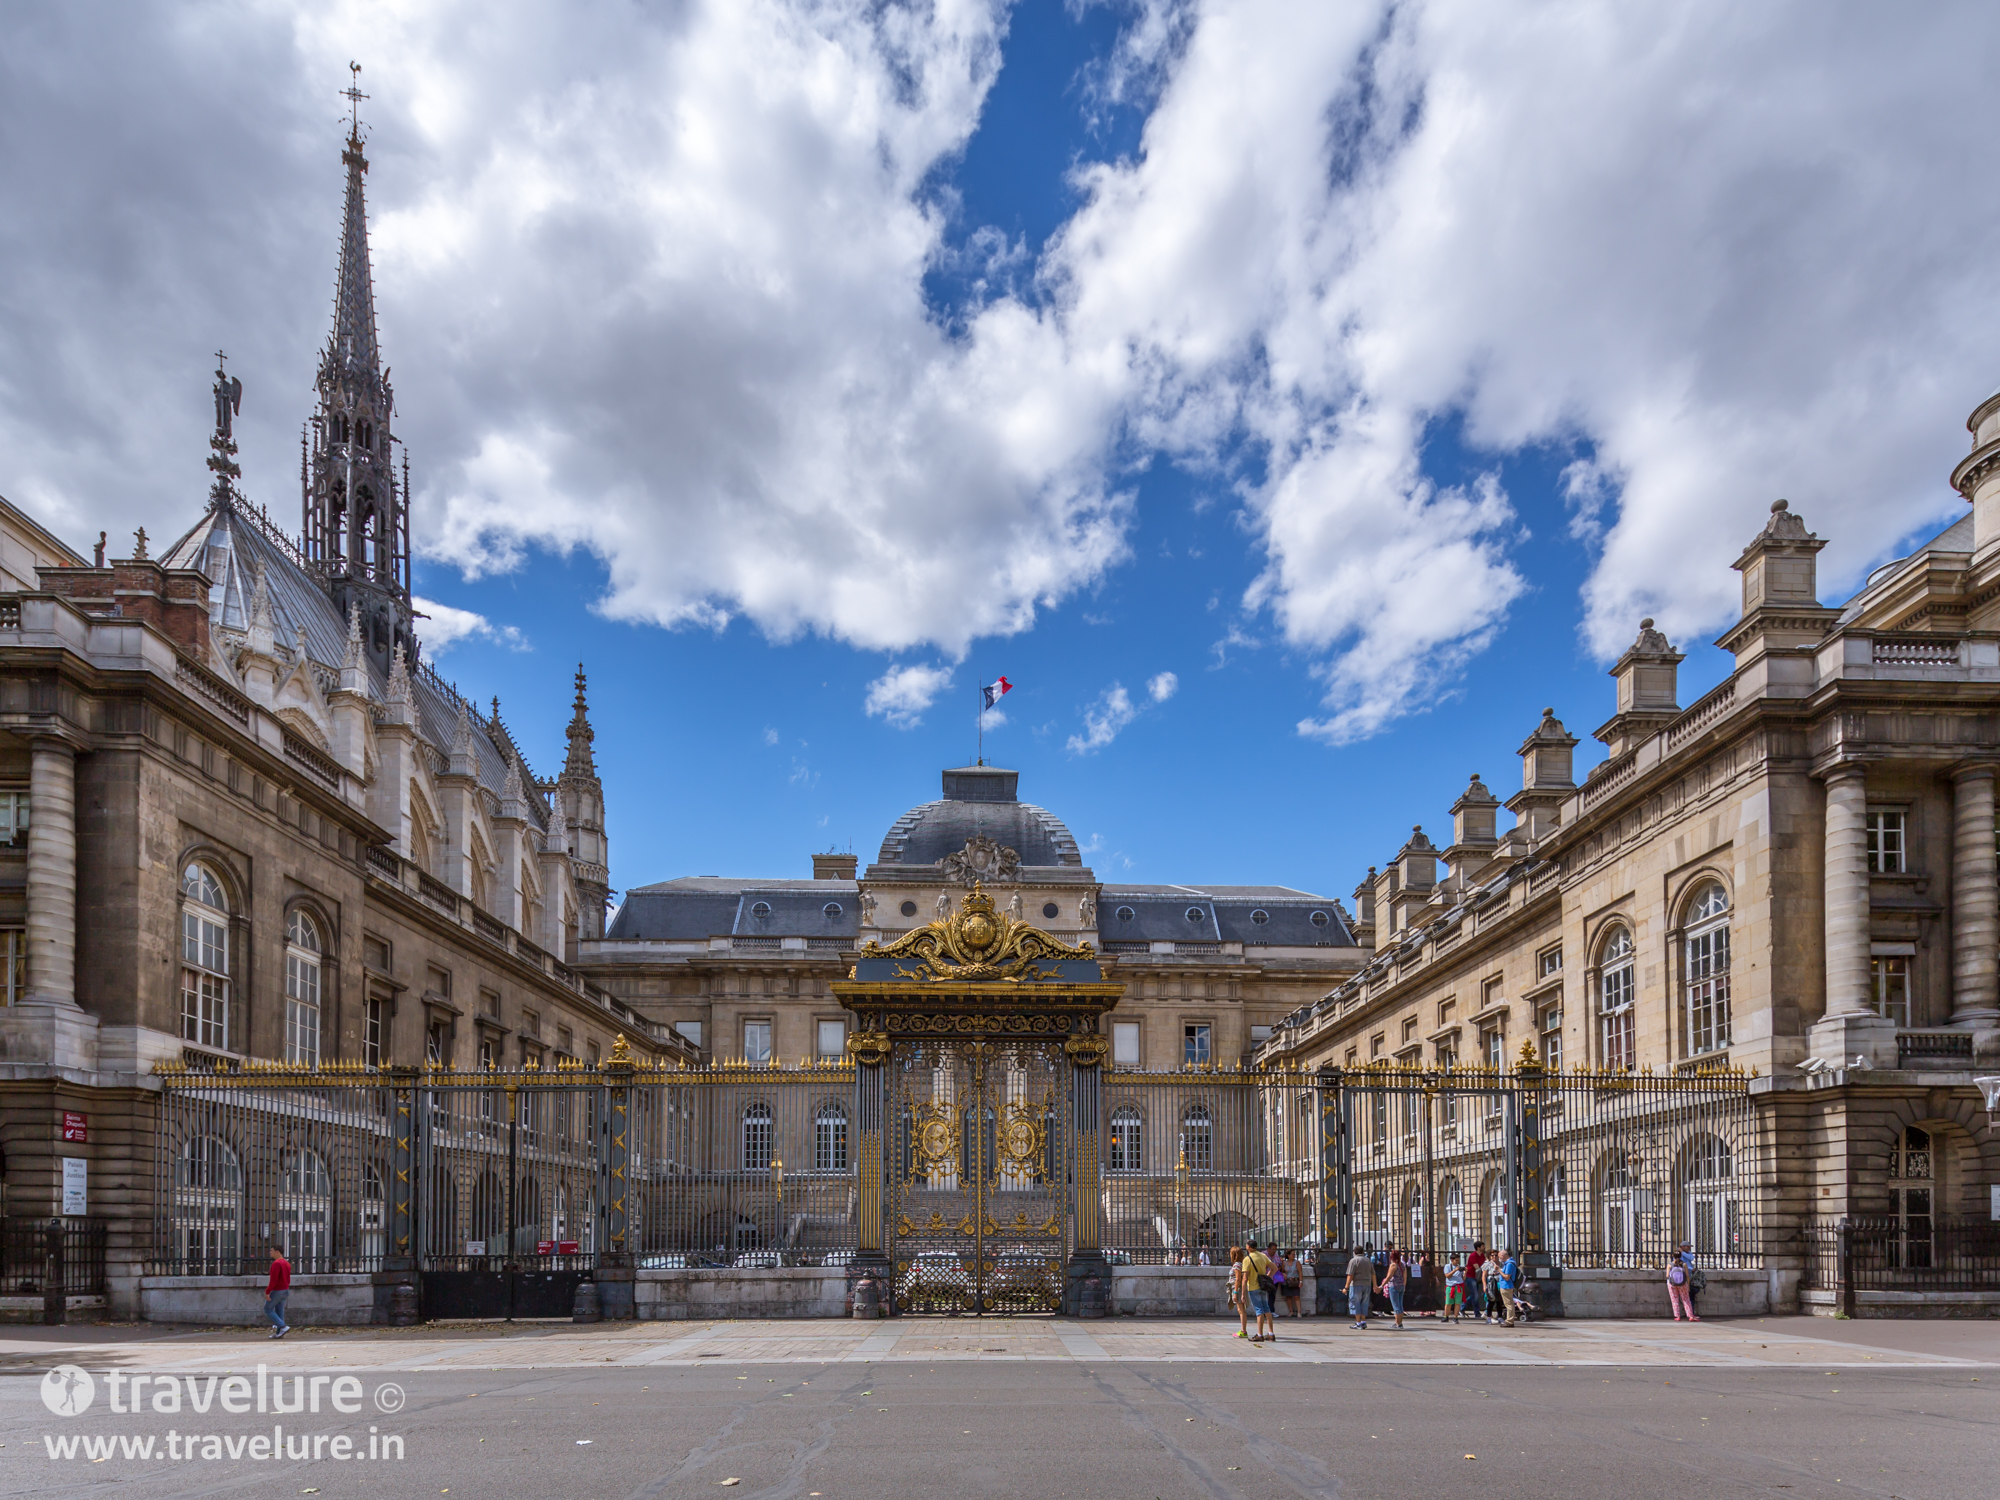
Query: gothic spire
357	527
580	762
222	446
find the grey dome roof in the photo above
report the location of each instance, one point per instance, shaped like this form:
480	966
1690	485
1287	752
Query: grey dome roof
979	800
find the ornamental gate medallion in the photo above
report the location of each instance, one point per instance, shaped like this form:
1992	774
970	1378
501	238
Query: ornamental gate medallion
980	1169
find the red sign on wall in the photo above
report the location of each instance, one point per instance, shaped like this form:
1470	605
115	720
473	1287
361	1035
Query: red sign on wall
75	1126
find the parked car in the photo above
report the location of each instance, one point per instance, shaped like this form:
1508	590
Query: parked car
933	1275
759	1260
667	1262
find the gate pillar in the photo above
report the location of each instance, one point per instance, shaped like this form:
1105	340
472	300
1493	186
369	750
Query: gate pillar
1536	1260
615	1283
400	1247
870	1051
1086	1257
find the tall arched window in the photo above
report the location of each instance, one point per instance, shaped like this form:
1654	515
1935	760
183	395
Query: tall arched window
1496	1213
374	1215
204	958
1617	1209
1413	1218
830	1138
1197	1139
1708	969
305	1209
1708	1196
1614	1007
1555	1209
1455	1230
302	1007
1128	1139
208	1207
1913	1192
757	1138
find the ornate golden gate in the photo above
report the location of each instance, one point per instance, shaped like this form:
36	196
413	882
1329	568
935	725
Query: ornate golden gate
977	1051
980	1173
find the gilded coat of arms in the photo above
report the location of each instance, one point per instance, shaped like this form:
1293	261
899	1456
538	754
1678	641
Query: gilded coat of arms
982	858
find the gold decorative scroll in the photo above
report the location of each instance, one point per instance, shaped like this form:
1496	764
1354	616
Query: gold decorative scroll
976	942
1021	1138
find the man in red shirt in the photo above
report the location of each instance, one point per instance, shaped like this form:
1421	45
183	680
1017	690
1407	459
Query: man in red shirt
277	1291
1475	1284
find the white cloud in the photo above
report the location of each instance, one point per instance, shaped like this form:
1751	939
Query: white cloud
901	694
770	736
653	283
1102	721
1163	686
447	625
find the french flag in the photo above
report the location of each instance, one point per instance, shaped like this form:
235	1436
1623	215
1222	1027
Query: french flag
995	691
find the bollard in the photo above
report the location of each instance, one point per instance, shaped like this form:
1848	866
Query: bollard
867	1298
403	1308
1090	1300
587	1308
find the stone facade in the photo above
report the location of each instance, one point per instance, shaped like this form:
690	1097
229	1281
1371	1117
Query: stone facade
1795	877
243	822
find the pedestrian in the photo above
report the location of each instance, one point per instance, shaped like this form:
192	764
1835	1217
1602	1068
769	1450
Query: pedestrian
1236	1298
1360	1286
1294	1282
278	1291
1508	1281
1454	1291
1680	1284
1430	1289
1203	1258
1489	1285
1395	1283
1259	1284
1475	1283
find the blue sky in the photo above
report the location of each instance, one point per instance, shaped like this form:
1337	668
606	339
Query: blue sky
1367	369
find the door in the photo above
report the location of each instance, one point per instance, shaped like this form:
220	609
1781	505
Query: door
979	1173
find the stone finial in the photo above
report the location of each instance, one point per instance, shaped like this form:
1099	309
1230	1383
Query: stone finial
558	836
463	762
513	798
398	690
263	624
139	545
1783	524
1650	641
353	655
580	762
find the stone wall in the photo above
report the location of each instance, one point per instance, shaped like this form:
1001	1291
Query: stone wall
317	1301
1643	1294
792	1292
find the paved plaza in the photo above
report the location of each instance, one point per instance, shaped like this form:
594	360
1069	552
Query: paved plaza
1789	1407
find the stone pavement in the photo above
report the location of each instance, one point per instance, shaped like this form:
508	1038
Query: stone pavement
1773	1343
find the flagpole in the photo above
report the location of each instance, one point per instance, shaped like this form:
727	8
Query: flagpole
982	726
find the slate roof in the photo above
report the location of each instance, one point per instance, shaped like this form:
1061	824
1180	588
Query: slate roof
229	546
704	906
979	800
1273	916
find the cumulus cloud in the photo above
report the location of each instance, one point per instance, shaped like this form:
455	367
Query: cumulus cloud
901	694
1103	720
447	625
653	283
1163	686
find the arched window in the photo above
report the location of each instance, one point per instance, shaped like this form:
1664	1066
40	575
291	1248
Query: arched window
1128	1139
1708	970
830	1138
1708	1196
1197	1139
1617	1205
1913	1193
489	1214
302	1008
1497	1229
1455	1230
305	1209
1555	1209
374	1215
1614	1008
208	1207
204	958
1413	1218
757	1138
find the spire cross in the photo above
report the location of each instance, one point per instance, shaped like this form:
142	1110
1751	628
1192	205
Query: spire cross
352	93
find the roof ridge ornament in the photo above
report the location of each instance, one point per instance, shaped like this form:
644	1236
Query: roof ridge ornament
977	942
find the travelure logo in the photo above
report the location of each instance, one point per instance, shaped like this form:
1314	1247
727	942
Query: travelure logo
68	1390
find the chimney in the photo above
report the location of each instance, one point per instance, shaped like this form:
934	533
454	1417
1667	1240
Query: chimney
1364	910
1415	872
1781	609
1548	777
1474	819
173	601
1646	676
835	866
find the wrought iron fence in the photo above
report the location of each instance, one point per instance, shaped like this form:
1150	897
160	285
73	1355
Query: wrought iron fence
723	1165
1631	1165
1194	1161
25	1254
1901	1253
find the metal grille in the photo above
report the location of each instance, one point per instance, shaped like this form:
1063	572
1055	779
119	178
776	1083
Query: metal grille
979	1169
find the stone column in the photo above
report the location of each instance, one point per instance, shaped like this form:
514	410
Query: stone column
1975	902
869	1050
1850	1027
52	874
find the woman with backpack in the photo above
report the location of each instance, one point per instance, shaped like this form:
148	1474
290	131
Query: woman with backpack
1236	1298
1680	1291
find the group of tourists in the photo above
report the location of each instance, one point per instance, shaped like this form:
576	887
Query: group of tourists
1493	1287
